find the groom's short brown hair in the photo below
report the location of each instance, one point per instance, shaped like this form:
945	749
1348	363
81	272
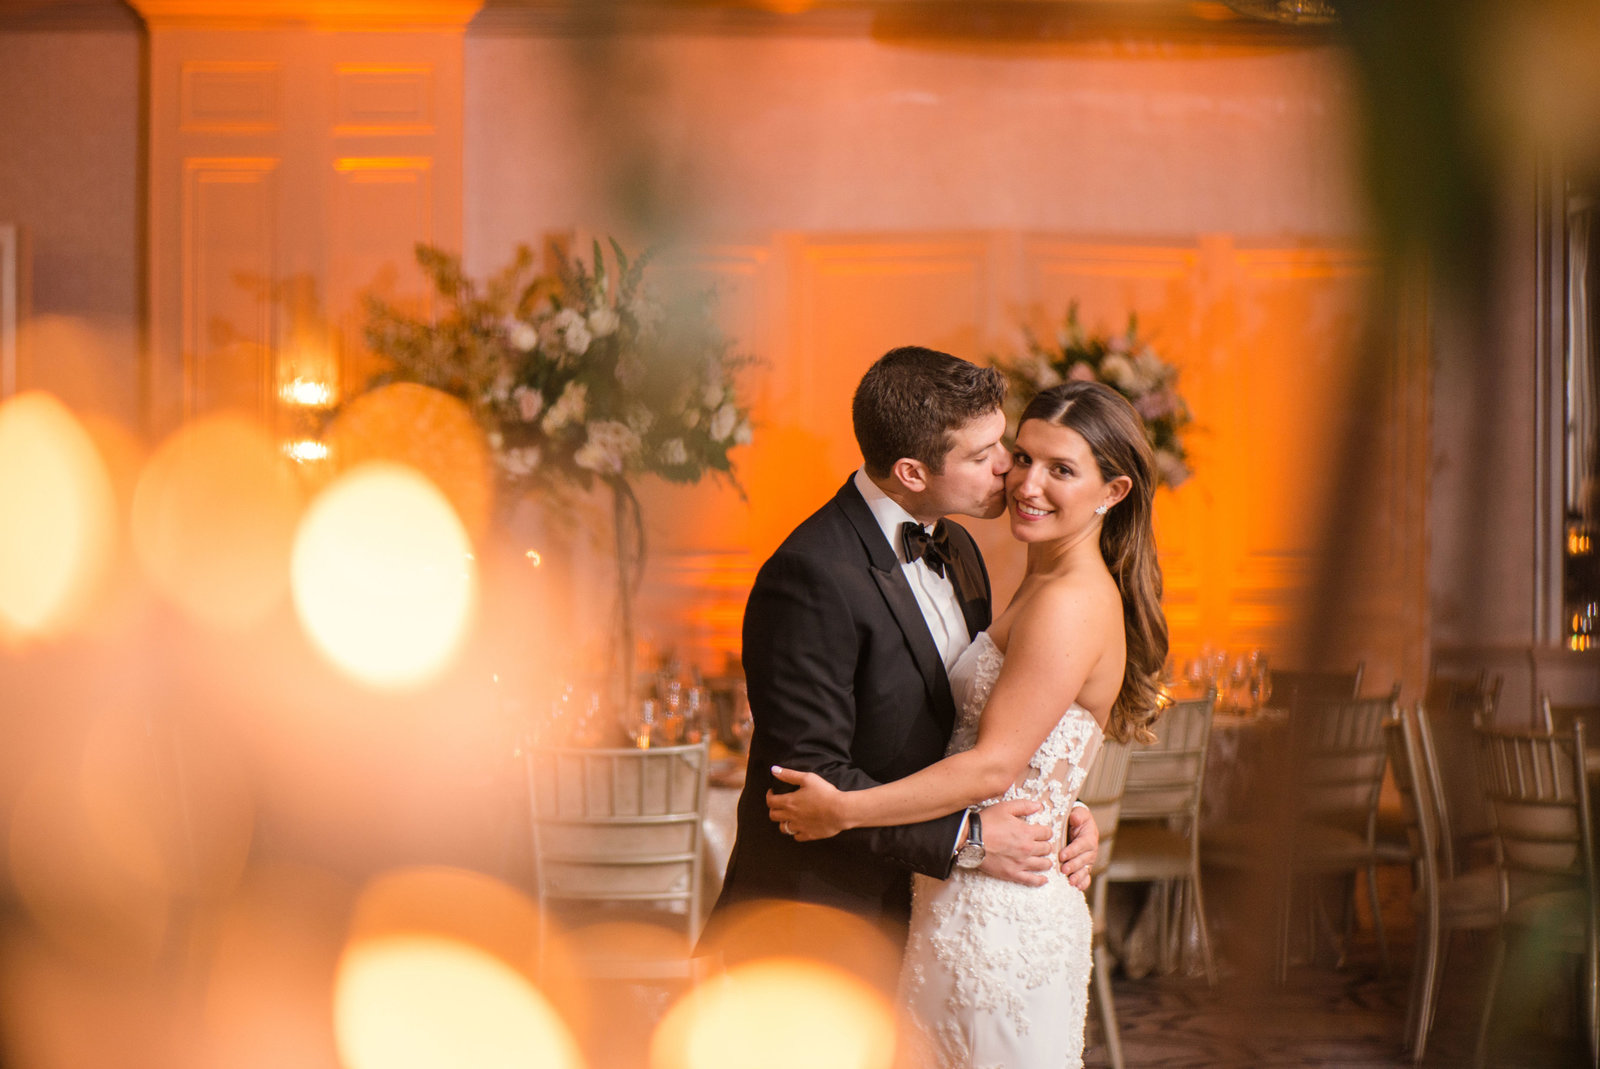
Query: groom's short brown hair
912	398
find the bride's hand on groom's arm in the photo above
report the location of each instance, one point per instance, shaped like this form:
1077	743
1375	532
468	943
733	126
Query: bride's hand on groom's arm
1014	848
814	810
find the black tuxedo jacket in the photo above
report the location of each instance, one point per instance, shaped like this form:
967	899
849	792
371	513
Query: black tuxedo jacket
845	680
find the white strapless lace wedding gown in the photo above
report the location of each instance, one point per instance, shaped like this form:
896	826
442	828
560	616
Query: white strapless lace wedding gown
997	974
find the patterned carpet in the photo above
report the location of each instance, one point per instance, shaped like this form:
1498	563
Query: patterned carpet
1349	1017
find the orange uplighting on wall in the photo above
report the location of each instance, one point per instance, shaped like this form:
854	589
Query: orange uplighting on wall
383	578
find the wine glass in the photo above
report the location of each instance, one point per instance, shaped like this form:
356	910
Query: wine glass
1260	679
671	710
696	714
641	724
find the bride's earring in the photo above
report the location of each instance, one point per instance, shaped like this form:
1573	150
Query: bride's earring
1101	511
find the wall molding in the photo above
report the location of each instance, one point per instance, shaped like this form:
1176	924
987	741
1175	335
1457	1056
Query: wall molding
357	15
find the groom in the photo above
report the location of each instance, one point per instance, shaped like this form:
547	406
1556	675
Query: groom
849	632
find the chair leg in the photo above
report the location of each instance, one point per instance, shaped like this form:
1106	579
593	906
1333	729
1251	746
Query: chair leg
1164	930
1108	1008
1591	1001
1198	902
1428	962
1496	963
1377	918
1414	995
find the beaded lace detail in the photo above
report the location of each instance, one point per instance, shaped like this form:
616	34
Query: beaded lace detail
986	955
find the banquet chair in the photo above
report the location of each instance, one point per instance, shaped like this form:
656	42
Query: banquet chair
617	841
1443	901
1321	822
1293	686
1452	712
1102	792
1158	835
1559	717
1544	851
1476	696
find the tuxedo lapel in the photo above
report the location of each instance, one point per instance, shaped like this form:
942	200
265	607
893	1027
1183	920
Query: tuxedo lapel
901	602
971	584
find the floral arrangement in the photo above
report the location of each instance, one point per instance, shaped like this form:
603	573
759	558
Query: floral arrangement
1127	364
576	375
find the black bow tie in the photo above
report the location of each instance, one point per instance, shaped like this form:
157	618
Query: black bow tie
931	549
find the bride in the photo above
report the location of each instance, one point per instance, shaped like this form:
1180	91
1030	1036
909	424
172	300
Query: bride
997	973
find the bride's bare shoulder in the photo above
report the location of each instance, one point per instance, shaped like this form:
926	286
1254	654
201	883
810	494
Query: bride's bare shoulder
1064	604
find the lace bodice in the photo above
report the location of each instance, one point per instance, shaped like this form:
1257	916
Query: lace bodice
1059	766
997	973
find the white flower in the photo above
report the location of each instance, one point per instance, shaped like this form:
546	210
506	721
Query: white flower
607	449
691	418
723	422
604	321
500	389
1118	370
713	395
742	433
1045	375
1081	372
565	318
496	440
640	420
569	408
673	452
630	370
577	338
520	461
524	336
1150	367
529	403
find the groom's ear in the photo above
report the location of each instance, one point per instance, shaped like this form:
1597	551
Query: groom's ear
912	474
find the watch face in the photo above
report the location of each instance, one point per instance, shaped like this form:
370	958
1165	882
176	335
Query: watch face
970	856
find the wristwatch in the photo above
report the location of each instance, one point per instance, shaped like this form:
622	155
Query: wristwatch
970	856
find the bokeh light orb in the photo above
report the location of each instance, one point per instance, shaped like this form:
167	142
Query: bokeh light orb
57	514
421	1001
422	428
383	577
780	1013
213	519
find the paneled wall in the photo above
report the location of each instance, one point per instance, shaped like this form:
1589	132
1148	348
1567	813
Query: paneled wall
1264	337
848	193
295	158
845	195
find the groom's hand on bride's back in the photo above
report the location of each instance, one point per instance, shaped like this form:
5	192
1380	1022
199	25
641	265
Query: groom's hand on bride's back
1014	849
1083	843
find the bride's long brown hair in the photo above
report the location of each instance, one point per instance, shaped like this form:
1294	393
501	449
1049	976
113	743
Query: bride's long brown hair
1127	539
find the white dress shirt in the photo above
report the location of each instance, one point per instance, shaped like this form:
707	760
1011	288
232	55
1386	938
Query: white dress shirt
936	594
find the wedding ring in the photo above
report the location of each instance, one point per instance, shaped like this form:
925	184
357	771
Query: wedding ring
784	827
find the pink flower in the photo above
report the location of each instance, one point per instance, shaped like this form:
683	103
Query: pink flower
1153	406
1081	372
